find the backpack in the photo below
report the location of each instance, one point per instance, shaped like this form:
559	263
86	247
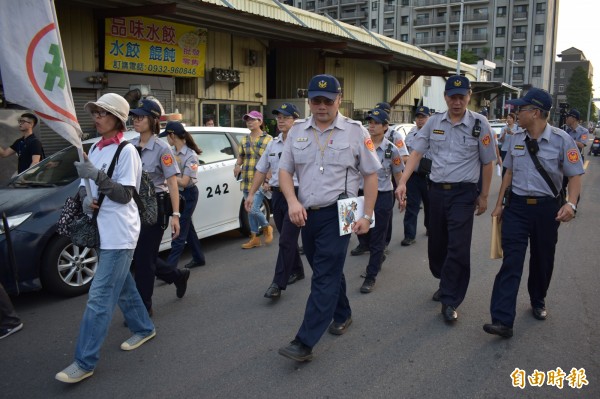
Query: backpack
145	198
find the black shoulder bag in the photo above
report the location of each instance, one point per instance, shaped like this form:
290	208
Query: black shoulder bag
84	230
532	149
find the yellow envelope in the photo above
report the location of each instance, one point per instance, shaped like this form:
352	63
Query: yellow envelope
496	244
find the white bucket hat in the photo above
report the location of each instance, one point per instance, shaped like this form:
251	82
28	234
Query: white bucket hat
112	103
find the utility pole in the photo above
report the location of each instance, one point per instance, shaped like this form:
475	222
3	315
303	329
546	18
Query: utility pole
460	30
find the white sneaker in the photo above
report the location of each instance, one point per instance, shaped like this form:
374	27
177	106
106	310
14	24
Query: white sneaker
136	341
73	374
5	332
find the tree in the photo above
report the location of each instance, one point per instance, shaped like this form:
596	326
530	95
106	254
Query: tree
579	93
466	56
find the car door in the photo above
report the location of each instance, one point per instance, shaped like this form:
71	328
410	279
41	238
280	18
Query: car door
219	191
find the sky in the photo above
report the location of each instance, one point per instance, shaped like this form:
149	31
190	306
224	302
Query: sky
578	22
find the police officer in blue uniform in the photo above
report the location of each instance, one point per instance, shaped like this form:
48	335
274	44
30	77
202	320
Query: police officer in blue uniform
397	139
392	166
329	153
531	209
577	133
416	186
459	141
289	267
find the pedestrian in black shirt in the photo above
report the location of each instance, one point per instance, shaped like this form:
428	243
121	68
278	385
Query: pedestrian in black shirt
28	148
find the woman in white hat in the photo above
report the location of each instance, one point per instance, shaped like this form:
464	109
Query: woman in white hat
119	227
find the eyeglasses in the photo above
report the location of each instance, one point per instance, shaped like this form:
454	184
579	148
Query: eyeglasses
321	100
138	118
21	121
100	114
527	109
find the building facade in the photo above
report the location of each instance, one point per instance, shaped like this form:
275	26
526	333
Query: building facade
518	35
570	59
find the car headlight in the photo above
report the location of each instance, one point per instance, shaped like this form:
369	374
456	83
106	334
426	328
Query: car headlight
14	221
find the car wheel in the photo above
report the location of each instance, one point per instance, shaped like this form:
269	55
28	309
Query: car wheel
68	269
245	223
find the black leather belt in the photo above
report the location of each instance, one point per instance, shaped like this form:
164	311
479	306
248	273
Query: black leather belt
276	189
453	186
532	200
322	208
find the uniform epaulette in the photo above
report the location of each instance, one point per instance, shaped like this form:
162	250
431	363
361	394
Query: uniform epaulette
350	120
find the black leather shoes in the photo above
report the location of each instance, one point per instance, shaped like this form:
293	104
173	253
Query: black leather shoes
540	313
498	329
437	295
295	277
368	285
359	250
407	241
336	328
297	351
181	283
273	291
191	264
449	313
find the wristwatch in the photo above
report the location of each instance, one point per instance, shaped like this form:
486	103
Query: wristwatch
572	205
369	218
176	214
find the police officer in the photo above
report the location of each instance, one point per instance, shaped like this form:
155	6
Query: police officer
416	186
532	210
459	141
159	162
328	152
397	139
288	268
392	165
575	130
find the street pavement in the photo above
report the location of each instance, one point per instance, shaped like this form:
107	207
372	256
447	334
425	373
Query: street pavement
221	339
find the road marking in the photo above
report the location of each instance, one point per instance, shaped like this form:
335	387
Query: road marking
585	165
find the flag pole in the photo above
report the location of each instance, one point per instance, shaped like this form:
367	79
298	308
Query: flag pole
88	188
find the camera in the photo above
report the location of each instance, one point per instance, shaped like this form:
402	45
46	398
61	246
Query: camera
563	108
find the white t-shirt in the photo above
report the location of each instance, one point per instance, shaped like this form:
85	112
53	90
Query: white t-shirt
119	224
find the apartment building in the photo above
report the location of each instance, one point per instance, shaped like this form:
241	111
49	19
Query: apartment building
570	59
518	35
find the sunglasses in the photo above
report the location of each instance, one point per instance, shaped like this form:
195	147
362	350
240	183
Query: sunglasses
527	109
321	100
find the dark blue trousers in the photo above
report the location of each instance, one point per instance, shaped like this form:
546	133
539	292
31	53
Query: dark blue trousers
375	238
416	191
326	251
449	245
145	264
288	258
187	231
522	222
388	235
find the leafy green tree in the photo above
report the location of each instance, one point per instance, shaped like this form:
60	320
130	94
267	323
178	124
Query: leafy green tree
579	93
466	56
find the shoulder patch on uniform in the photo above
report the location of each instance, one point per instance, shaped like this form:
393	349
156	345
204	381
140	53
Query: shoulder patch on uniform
194	166
486	140
584	137
167	159
519	147
397	161
438	131
400	143
573	155
369	144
